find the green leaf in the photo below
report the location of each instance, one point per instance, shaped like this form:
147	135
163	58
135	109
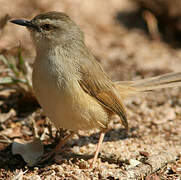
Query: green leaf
9	65
21	61
11	80
6	80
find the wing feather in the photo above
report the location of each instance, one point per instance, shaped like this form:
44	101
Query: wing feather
96	83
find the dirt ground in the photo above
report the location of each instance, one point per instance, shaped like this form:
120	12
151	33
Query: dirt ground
120	41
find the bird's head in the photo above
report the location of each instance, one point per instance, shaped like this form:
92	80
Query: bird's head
52	28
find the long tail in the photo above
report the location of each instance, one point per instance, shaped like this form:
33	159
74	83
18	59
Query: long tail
164	81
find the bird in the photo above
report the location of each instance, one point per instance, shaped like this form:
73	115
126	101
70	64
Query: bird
70	84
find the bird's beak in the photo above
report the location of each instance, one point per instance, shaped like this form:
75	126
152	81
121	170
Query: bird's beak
23	22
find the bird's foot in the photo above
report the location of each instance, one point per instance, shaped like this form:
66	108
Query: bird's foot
55	151
46	157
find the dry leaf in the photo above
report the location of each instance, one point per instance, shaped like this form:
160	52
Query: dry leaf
144	153
152	177
12	132
31	151
133	163
19	175
6	116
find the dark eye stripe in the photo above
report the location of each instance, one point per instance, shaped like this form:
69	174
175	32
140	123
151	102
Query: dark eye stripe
46	27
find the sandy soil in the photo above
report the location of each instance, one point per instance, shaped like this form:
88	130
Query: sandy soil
126	53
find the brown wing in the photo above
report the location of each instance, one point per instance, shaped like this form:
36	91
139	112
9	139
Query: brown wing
96	83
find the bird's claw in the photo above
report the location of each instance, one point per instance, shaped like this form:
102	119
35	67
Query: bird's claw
46	157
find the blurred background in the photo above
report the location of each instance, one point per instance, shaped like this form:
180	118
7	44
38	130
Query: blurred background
120	33
132	39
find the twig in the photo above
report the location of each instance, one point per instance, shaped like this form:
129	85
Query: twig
35	129
5	140
152	164
152	24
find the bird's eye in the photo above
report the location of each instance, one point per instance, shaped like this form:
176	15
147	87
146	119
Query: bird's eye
46	27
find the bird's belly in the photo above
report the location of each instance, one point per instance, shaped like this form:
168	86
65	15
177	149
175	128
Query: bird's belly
67	105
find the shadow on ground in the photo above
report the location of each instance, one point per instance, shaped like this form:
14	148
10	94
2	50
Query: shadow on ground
12	162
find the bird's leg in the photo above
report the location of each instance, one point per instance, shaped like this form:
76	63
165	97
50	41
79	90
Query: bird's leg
56	150
62	142
101	138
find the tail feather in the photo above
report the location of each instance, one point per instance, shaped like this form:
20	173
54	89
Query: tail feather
149	84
